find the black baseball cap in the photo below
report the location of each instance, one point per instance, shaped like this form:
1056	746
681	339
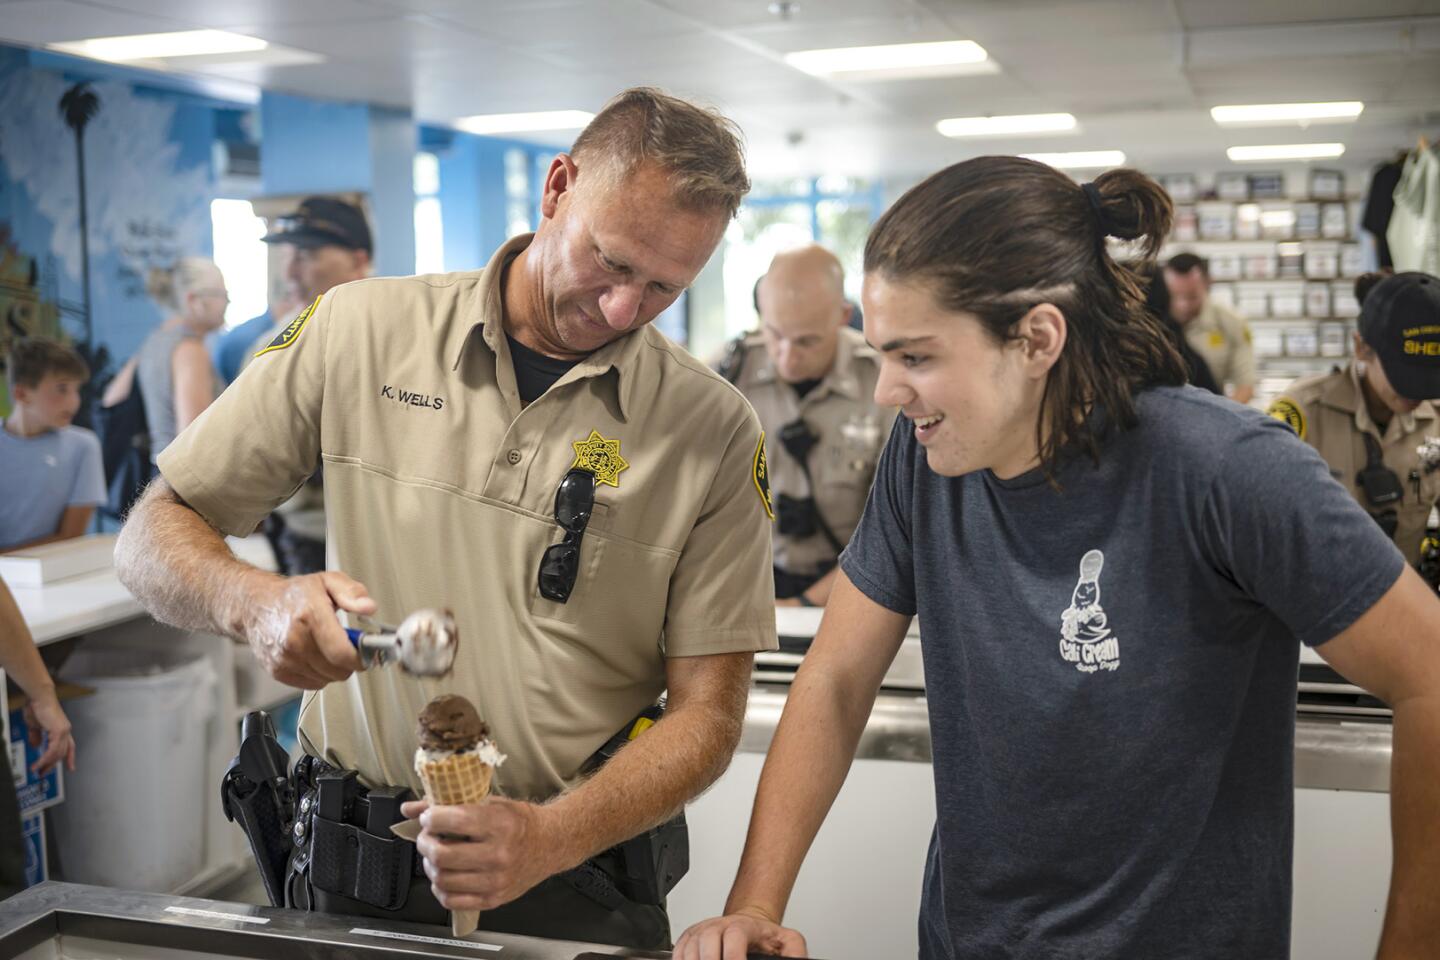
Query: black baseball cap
323	222
1400	320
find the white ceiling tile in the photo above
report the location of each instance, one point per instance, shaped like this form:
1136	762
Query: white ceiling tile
225	14
37	22
1240	13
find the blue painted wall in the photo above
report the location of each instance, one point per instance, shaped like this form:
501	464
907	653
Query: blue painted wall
149	183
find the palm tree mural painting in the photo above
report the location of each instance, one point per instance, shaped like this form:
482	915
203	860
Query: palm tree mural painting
78	106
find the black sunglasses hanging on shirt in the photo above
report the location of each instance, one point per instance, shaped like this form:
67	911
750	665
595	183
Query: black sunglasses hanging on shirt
560	564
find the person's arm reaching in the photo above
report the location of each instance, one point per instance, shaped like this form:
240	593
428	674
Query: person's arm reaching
73	523
179	567
21	660
825	714
511	846
194	380
1393	650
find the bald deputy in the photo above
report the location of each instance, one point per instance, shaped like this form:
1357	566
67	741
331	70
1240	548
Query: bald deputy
811	380
518	444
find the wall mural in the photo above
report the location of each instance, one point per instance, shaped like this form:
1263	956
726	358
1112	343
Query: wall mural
100	180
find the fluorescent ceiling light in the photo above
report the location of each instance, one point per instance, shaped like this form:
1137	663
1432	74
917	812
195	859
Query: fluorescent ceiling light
160	46
525	122
1006	126
943	58
1256	113
1286	151
1080	159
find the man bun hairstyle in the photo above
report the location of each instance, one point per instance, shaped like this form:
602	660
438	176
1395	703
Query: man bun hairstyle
700	150
997	236
1369	281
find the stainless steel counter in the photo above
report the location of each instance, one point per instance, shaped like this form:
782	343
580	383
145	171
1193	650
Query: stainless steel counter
95	921
1329	753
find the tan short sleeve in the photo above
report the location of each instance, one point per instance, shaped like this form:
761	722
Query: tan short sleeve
1242	364
254	446
722	593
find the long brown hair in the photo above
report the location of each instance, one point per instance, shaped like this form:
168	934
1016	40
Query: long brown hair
997	236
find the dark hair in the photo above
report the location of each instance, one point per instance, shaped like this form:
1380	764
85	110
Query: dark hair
1368	281
32	359
1185	262
998	236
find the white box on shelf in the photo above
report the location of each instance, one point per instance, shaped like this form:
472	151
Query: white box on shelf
1307	221
1352	260
1217	220
1301	341
1247	221
1255	306
37	566
1342	299
1289	302
1322	263
1317	299
1187	225
1267	341
1333	342
1225	266
1260	266
1334	221
1232	186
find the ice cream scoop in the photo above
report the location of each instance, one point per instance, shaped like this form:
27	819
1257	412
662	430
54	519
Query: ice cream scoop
424	644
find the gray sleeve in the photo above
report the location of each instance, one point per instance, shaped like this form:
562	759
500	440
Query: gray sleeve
1292	538
88	488
879	559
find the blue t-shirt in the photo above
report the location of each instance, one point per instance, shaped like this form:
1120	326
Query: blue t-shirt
229	348
1111	677
42	475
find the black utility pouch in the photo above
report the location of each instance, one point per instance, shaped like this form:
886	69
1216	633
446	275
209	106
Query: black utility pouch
362	866
652	863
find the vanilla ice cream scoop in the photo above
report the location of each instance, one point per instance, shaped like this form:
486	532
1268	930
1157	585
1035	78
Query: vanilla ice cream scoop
424	644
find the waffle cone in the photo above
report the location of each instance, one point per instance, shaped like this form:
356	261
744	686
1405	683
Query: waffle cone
459	778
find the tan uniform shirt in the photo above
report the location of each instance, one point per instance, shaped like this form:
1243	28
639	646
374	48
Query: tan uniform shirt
852	430
440	492
1328	412
1222	337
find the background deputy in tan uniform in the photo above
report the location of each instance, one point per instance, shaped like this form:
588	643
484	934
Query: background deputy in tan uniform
1220	335
811	380
443	459
1369	419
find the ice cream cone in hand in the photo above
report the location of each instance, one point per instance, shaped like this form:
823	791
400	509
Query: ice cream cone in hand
456	761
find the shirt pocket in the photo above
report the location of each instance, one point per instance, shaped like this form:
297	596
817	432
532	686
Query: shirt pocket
621	587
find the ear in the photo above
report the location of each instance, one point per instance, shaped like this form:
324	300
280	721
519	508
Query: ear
1041	334
21	393
559	181
1363	350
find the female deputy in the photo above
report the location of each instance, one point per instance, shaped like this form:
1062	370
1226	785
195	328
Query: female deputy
1111	571
1373	421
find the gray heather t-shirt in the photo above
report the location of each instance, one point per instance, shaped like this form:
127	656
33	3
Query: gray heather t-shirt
1111	677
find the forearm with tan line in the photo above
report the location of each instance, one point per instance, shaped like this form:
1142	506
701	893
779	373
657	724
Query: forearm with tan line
180	569
1412	915
653	777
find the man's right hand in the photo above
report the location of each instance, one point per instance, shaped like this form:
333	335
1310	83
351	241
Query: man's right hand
734	936
295	633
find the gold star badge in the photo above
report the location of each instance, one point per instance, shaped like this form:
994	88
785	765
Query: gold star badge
601	457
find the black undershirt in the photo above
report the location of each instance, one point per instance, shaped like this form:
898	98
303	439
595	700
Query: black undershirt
534	372
805	386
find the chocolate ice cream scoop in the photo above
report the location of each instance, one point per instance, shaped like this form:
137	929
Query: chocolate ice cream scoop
450	722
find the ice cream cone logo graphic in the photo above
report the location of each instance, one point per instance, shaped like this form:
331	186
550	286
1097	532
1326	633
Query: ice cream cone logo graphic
1085	636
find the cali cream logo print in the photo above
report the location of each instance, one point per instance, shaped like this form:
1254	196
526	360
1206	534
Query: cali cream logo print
1085	637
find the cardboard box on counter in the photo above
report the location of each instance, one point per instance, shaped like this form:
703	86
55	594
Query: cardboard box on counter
37	566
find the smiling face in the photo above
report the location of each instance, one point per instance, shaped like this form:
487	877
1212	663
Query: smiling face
974	402
609	258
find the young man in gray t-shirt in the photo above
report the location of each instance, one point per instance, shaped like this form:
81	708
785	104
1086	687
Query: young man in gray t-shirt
1111	572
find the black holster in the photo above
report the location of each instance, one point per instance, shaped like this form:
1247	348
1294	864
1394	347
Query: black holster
257	794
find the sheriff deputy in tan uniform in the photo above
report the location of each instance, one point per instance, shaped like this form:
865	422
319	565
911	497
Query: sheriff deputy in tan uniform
1373	421
811	379
466	423
1220	335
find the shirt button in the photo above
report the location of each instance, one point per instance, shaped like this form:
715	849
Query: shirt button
513	456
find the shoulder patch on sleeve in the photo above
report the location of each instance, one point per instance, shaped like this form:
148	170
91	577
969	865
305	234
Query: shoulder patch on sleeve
1288	412
761	475
291	333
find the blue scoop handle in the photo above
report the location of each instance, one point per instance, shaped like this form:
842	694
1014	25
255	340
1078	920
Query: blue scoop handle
354	636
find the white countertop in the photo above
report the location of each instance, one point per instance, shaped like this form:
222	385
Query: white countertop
93	601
